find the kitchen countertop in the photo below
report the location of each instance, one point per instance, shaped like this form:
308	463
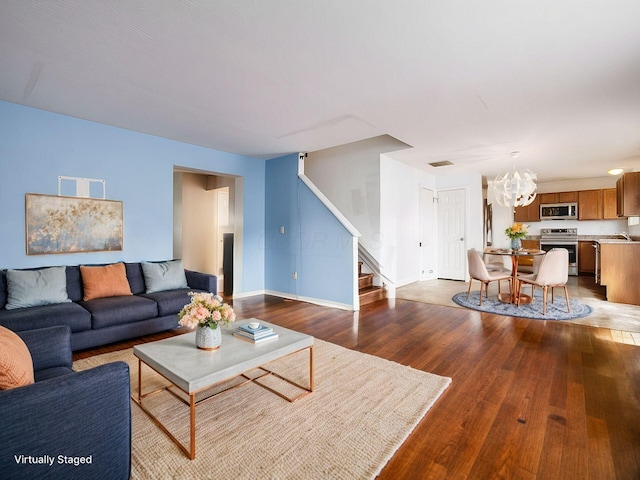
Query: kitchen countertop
594	238
616	240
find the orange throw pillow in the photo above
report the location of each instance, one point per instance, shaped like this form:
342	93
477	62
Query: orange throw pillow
16	366
107	281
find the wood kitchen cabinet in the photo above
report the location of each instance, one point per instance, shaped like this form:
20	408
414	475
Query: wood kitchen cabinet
564	197
586	258
628	194
590	205
560	197
609	204
530	213
619	263
546	198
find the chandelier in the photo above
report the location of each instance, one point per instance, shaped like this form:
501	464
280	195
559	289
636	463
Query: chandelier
515	188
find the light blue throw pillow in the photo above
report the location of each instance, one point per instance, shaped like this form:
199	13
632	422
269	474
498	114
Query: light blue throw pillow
161	276
31	288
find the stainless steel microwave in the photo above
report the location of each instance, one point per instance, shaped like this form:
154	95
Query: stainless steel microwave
559	211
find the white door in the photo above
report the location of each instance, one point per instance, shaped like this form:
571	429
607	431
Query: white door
452	258
428	262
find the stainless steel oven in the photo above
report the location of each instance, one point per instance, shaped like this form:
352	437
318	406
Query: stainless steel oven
562	238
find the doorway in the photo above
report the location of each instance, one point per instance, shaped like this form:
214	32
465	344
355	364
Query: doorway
204	213
452	210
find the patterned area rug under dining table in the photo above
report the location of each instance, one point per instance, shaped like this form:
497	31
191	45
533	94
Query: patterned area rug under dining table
361	411
555	311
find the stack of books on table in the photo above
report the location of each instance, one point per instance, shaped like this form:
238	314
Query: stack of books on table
255	335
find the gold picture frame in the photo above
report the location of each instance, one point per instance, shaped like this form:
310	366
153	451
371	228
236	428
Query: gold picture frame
59	224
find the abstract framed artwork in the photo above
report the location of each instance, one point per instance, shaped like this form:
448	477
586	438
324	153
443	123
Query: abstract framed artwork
57	224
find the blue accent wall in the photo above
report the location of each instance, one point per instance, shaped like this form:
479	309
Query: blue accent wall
315	244
38	146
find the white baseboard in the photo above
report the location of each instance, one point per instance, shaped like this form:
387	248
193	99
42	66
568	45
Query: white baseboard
407	281
249	294
315	301
289	296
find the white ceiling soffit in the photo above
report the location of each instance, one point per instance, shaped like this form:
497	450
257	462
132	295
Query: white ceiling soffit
462	81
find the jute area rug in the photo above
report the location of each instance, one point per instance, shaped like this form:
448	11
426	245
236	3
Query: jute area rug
362	409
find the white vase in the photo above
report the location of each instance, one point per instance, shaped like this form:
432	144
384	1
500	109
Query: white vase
208	338
516	244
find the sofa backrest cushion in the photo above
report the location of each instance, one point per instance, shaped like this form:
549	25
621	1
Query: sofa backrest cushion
136	278
107	281
31	288
74	283
3	288
16	365
161	276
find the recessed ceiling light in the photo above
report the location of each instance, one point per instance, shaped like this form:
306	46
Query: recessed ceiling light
615	171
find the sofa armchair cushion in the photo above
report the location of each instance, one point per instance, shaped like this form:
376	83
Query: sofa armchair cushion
105	281
71	314
16	367
31	288
109	311
162	276
49	347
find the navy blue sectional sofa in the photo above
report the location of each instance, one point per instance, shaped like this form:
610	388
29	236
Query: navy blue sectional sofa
106	320
66	425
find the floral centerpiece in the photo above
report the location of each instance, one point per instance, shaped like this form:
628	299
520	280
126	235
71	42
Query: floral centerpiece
205	312
516	232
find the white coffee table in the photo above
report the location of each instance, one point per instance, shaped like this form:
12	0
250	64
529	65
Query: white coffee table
193	370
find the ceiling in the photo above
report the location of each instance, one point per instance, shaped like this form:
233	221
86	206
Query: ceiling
463	81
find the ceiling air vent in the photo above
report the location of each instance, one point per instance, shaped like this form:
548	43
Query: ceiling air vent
443	163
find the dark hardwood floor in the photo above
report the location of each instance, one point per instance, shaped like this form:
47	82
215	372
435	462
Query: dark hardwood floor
529	398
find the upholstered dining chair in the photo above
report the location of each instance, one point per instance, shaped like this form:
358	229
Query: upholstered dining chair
478	271
553	271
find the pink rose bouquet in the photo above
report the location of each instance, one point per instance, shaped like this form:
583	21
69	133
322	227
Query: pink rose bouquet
205	310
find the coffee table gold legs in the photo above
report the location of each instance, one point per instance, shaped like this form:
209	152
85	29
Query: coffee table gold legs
192	415
306	390
191	451
311	362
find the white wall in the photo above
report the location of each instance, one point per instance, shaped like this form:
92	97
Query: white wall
349	175
582	184
198	224
400	219
381	197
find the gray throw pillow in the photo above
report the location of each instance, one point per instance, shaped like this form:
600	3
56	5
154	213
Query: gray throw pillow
161	276
31	288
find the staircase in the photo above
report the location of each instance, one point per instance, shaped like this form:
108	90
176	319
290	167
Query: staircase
367	291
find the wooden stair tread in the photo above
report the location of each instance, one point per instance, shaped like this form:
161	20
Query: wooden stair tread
367	291
371	294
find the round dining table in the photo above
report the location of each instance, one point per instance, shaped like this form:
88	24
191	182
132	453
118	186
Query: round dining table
512	297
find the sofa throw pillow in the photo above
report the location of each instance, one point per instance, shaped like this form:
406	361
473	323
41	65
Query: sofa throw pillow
107	281
16	366
161	276
30	288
